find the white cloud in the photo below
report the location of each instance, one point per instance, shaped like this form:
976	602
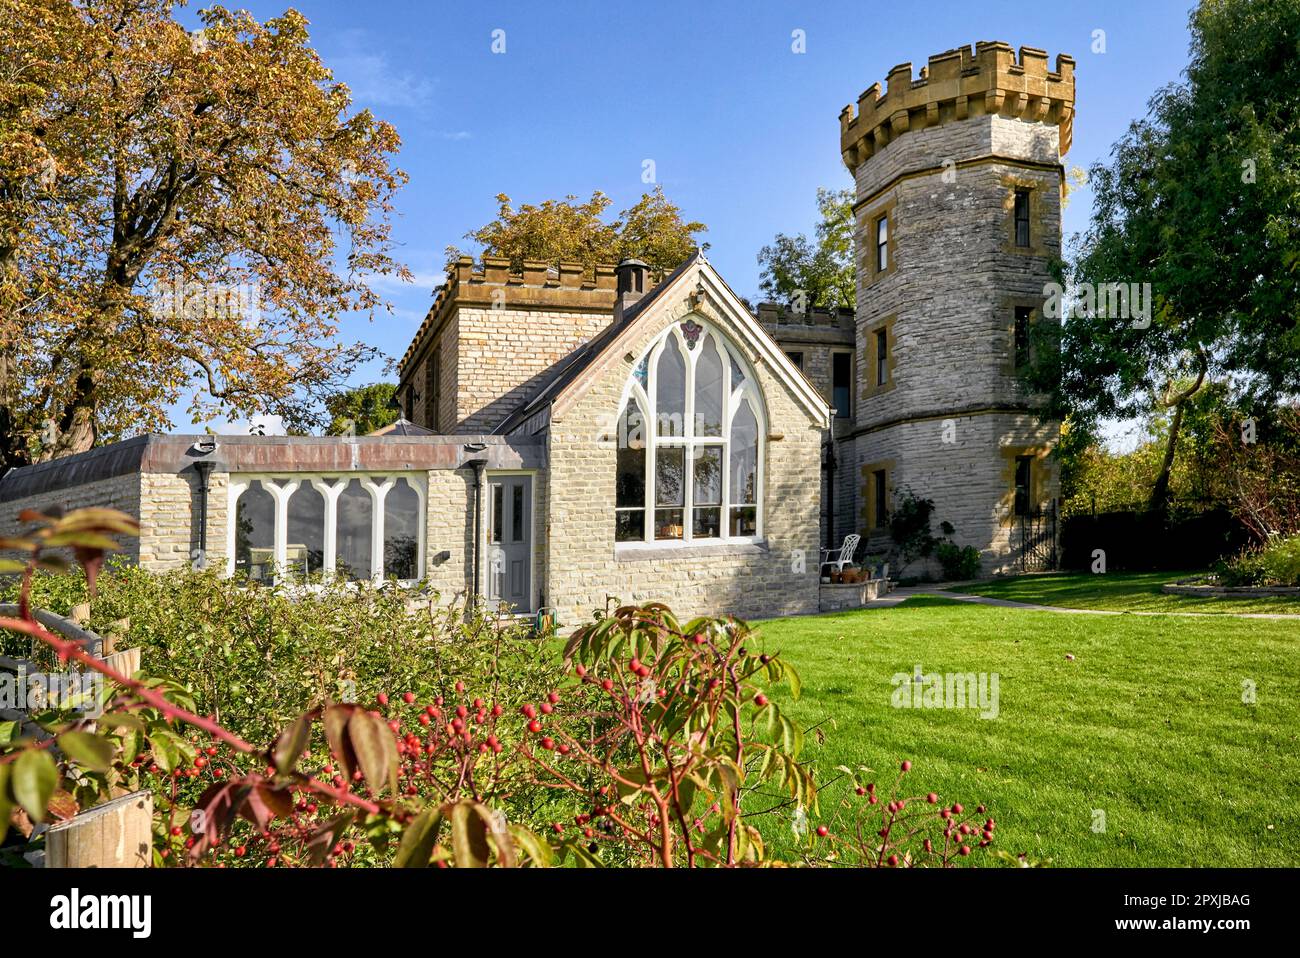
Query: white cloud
270	426
362	64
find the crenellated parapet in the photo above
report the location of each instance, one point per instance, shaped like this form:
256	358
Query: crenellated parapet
493	284
961	83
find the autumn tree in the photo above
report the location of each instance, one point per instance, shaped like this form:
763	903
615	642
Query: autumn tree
1198	203
360	411
180	215
814	273
570	230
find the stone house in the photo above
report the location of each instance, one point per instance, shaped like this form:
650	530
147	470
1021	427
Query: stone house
571	437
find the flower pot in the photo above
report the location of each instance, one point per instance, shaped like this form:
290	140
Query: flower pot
837	578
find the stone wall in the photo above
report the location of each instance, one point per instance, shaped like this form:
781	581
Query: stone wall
505	354
118	492
450	527
751	581
970	478
953	408
498	333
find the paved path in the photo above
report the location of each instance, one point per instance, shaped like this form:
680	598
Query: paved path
902	594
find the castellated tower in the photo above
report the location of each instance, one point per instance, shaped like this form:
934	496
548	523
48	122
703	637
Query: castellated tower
959	182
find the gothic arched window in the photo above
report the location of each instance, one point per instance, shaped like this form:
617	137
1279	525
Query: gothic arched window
690	442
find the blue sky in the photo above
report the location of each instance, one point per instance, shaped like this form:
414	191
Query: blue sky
742	130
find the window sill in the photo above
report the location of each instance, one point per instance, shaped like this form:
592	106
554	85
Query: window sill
646	551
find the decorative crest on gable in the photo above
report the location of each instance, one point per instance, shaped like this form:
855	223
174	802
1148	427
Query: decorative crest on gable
691	331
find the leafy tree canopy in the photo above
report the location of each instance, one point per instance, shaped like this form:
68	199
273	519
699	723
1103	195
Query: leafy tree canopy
570	230
180	214
816	273
1199	199
360	411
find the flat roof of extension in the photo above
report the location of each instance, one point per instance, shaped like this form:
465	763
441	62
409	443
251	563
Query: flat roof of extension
155	453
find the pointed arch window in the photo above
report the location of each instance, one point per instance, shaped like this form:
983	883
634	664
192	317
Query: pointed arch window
696	476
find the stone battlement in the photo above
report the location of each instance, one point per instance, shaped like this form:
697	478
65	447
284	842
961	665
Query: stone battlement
492	284
987	80
773	315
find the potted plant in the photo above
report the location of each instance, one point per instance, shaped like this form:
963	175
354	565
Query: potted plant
852	573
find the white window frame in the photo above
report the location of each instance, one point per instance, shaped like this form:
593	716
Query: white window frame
733	396
330	486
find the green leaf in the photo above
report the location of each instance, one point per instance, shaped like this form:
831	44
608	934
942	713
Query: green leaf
9	731
796	683
5	802
121	720
87	750
376	751
33	782
539	852
418	840
291	744
469	844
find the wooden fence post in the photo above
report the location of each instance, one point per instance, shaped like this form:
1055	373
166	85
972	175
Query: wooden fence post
117	834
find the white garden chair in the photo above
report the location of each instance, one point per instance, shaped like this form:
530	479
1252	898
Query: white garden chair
839	558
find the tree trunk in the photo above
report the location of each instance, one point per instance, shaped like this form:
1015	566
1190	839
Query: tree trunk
1159	501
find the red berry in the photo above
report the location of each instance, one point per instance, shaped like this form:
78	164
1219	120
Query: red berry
893	861
408	697
607	685
760	699
964	850
553	697
907	766
534	726
382	698
956	808
932	798
460	686
822	831
529	711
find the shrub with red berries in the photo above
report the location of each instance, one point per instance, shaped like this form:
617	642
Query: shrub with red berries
897	830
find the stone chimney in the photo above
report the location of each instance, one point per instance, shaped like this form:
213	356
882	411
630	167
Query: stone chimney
633	278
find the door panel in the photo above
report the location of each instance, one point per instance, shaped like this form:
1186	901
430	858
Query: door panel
510	541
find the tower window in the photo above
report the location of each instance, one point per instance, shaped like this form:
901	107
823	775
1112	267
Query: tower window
797	359
1024	474
882	357
1021	214
842	384
880	491
882	243
1022	336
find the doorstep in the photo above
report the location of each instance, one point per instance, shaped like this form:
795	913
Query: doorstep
837	596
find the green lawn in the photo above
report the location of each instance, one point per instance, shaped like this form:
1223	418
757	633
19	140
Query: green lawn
1125	591
1147	723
